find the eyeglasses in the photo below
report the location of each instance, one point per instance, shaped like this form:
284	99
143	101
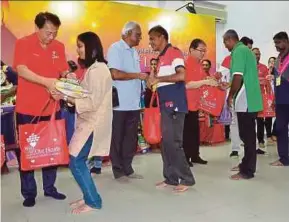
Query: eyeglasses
201	50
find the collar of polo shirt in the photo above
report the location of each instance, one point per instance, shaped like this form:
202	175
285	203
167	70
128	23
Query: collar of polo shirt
165	49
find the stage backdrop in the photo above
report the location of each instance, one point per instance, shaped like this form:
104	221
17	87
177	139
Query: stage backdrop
107	19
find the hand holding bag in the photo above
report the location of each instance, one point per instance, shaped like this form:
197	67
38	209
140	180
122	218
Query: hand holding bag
152	122
43	144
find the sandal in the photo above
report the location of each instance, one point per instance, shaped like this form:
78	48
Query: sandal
277	163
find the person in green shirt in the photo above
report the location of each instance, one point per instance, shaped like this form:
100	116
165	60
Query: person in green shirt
246	99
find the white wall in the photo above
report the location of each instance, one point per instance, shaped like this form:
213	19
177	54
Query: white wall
259	20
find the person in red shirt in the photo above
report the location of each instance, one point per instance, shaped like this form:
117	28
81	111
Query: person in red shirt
195	78
39	60
207	64
261	122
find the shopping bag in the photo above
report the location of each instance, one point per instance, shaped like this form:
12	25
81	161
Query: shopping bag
226	116
43	144
212	100
268	102
152	122
2	151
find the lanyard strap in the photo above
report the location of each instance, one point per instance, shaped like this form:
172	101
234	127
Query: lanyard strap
283	65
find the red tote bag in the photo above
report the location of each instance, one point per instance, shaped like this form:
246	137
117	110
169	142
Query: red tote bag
152	122
43	144
212	100
2	151
268	102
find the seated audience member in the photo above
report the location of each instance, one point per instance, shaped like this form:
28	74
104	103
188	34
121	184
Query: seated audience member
206	64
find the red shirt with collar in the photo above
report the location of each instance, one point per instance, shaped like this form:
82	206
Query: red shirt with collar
194	72
48	62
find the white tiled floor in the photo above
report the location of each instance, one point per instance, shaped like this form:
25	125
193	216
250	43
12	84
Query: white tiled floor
214	198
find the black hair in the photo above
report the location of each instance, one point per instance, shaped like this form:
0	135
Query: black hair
196	42
93	49
208	61
281	36
255	49
153	59
246	41
231	34
160	30
43	17
272	57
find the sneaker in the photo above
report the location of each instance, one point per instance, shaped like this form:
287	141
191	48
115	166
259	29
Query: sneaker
95	170
260	152
29	202
234	154
199	160
262	145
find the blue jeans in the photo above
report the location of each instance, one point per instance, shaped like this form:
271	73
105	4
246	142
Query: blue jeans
81	174
94	162
69	123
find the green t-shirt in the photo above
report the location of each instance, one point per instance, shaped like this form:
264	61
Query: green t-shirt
249	97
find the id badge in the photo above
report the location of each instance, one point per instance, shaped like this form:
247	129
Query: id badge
278	81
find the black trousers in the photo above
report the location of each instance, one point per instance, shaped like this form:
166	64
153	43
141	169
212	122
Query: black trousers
282	122
261	122
274	132
175	167
123	141
28	183
247	132
191	135
227	132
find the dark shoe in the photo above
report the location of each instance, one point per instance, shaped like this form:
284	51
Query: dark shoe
55	195
95	170
29	202
260	152
199	161
190	164
234	154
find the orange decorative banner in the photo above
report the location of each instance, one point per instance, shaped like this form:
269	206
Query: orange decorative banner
107	19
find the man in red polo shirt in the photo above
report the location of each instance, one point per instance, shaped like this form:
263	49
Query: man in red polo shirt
39	60
195	78
261	122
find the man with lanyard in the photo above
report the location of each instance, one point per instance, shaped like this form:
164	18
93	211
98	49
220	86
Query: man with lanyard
246	93
282	98
39	60
171	89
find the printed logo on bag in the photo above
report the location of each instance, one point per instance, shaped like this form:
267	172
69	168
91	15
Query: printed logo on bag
205	93
32	140
36	148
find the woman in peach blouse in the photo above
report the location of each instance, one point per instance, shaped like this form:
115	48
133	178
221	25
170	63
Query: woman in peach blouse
92	134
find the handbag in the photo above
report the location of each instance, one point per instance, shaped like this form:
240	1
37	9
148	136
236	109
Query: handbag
115	99
268	102
226	116
43	144
152	122
212	100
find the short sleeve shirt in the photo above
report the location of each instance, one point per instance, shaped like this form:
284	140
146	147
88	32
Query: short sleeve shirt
194	72
172	96
122	57
282	91
248	98
49	62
